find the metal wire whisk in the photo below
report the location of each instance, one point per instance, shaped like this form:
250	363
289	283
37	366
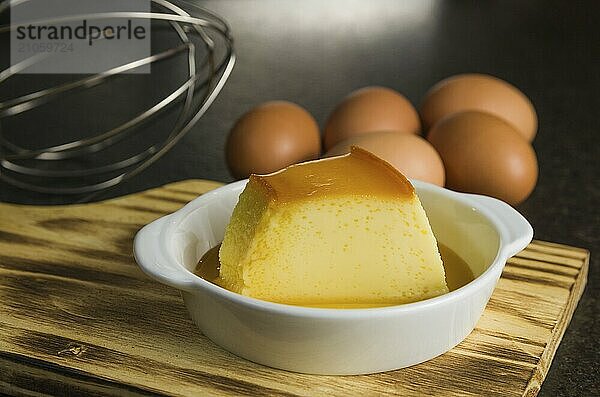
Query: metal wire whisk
209	76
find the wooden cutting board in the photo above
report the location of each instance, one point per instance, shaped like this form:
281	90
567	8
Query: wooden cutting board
78	316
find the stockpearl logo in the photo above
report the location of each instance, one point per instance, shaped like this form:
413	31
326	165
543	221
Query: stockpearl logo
79	36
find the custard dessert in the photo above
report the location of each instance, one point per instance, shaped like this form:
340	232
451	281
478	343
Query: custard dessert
340	231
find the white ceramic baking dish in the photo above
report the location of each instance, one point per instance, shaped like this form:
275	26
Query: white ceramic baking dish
483	231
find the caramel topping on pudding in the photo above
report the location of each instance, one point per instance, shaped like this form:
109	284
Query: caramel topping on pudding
358	172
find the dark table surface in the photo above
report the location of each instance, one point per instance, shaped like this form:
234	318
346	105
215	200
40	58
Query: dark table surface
314	54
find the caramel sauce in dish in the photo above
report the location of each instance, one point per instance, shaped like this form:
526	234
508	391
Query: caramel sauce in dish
458	274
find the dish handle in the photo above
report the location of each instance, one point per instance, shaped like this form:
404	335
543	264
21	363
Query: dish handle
150	251
516	231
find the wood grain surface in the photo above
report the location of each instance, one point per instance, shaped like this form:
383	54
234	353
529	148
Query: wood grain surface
77	316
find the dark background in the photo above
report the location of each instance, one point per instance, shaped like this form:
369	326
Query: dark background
314	54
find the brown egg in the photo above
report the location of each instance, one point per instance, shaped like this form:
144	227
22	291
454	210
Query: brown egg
410	154
367	110
270	137
482	93
484	154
